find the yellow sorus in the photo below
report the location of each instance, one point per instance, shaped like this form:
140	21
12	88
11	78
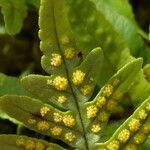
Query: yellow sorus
142	114
57	117
100	101
39	146
43	125
78	77
134	125
61	99
103	116
20	141
44	110
65	40
31	121
146	128
69	136
69	120
139	138
56	131
108	89
91	111
113	145
86	89
56	59
131	147
60	83
30	145
95	128
69	53
124	135
111	104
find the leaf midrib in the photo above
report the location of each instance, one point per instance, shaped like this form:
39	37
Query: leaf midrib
67	74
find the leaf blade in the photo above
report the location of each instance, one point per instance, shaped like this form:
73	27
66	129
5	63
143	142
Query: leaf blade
18	142
14	12
42	118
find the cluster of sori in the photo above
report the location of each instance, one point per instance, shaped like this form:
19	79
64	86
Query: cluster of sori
132	133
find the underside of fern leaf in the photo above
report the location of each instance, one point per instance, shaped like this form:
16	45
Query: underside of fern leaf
16	142
64	106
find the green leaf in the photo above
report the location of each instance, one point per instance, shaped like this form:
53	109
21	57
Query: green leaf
110	129
120	15
11	85
146	54
122	7
17	142
93	61
37	85
146	71
146	145
140	89
14	12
